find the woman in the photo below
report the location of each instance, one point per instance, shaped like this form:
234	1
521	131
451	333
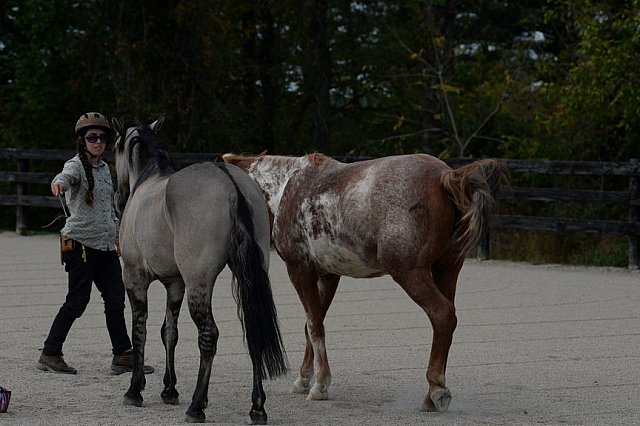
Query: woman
89	247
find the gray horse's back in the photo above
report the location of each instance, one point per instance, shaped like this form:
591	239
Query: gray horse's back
199	203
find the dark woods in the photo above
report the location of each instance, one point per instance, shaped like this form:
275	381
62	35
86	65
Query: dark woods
454	79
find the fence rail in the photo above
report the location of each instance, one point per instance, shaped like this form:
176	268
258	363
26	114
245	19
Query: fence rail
629	198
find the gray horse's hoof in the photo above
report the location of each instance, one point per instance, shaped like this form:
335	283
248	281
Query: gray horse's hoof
132	400
194	417
170	396
258	417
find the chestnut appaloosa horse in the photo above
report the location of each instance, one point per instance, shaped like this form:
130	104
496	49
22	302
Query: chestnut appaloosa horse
409	216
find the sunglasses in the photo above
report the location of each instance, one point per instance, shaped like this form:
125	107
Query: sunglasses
93	138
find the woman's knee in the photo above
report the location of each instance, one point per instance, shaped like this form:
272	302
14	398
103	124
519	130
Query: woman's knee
75	308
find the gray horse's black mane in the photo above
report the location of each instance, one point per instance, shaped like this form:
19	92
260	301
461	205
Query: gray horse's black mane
154	155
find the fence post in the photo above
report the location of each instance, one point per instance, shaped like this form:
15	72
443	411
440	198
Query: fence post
21	211
634	218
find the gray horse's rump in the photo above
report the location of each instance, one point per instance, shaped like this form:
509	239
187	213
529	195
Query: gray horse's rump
199	195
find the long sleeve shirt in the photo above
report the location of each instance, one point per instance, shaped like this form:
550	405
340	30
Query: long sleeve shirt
94	226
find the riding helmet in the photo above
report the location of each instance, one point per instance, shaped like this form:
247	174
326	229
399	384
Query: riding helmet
92	120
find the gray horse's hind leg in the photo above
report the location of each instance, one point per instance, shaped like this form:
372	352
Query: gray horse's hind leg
169	334
257	414
199	301
137	292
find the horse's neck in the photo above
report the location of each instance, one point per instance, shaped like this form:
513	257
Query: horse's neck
272	173
134	174
142	173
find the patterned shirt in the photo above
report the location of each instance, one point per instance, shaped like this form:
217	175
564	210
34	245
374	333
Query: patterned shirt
94	226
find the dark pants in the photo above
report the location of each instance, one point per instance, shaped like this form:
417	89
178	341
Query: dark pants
86	265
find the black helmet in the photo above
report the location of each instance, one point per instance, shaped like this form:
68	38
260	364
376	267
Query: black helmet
92	120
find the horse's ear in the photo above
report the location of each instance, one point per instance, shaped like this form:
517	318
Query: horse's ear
263	153
228	157
238	160
116	124
155	126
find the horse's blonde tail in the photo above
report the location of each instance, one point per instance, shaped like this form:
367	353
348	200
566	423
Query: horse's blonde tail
473	188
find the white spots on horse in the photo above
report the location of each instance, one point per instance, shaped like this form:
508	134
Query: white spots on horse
272	178
340	259
320	389
322	224
361	190
318	349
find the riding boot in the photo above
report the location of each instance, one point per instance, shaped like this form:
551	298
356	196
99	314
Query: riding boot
123	363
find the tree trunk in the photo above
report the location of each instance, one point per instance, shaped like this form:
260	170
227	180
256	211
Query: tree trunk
267	66
321	76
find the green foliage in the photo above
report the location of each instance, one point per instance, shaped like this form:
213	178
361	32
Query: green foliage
587	103
470	78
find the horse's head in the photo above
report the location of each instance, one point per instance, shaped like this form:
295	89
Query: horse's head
131	156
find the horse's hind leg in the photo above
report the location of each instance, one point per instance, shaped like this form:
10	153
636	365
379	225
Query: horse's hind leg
421	287
316	296
302	384
257	414
137	291
199	301
445	274
169	334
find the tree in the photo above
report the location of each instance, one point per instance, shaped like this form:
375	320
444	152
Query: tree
596	106
50	70
465	78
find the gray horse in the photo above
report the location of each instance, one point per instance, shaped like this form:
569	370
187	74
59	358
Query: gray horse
184	237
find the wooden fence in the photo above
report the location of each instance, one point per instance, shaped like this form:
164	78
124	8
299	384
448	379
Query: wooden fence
627	170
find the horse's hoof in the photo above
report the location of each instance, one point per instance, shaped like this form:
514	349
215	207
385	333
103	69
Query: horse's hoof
194	416
129	399
170	396
258	417
299	387
318	393
439	400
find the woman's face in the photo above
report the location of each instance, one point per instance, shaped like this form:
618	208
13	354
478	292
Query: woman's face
95	141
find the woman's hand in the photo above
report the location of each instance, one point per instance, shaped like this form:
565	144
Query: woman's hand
57	188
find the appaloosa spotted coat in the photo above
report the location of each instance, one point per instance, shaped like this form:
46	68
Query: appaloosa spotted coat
411	217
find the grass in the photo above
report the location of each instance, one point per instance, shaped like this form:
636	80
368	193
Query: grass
540	247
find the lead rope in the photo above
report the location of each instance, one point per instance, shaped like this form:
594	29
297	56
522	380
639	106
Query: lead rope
64	210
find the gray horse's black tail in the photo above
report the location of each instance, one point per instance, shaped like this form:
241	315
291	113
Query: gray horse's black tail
252	291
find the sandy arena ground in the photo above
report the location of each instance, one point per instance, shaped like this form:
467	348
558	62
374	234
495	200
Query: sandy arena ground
534	345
